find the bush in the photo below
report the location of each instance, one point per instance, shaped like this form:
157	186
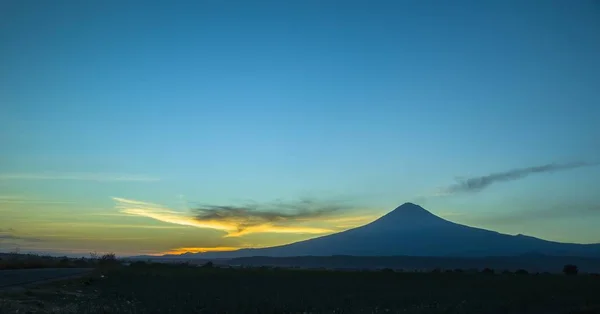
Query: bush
488	271
570	270
108	260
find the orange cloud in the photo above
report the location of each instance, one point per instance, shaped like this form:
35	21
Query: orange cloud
232	227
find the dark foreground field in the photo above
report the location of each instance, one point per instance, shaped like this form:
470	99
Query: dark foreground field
178	289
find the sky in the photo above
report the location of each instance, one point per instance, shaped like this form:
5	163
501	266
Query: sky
168	127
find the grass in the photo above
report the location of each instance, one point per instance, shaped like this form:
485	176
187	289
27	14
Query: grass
180	289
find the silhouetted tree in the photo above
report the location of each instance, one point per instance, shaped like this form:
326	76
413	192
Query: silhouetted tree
108	260
570	270
208	265
108	257
488	271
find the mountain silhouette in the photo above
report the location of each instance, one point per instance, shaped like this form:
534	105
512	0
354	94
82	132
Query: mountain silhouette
410	230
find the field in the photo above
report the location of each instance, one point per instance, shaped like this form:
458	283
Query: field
161	288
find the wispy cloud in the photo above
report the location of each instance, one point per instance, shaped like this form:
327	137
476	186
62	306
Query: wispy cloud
479	183
12	236
275	217
107	226
19	199
78	176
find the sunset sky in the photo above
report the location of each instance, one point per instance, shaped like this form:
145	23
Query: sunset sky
212	125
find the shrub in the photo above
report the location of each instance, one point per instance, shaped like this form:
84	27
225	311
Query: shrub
488	271
108	260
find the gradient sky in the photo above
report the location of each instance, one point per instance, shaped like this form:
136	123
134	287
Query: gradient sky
117	119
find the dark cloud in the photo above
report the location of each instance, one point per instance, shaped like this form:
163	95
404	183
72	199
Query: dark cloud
278	212
10	235
477	184
4	236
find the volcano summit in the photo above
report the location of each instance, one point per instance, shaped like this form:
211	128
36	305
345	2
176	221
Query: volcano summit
410	230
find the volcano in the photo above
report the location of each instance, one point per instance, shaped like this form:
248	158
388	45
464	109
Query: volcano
410	230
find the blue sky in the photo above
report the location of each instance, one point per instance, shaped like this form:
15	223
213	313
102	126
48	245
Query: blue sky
377	103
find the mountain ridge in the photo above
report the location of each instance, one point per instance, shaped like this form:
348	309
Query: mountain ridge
411	230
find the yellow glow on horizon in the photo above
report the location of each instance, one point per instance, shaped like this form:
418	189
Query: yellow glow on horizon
278	229
183	250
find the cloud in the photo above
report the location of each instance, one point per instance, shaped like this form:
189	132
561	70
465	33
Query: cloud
106	226
78	176
10	234
164	214
235	221
18	199
477	184
273	216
